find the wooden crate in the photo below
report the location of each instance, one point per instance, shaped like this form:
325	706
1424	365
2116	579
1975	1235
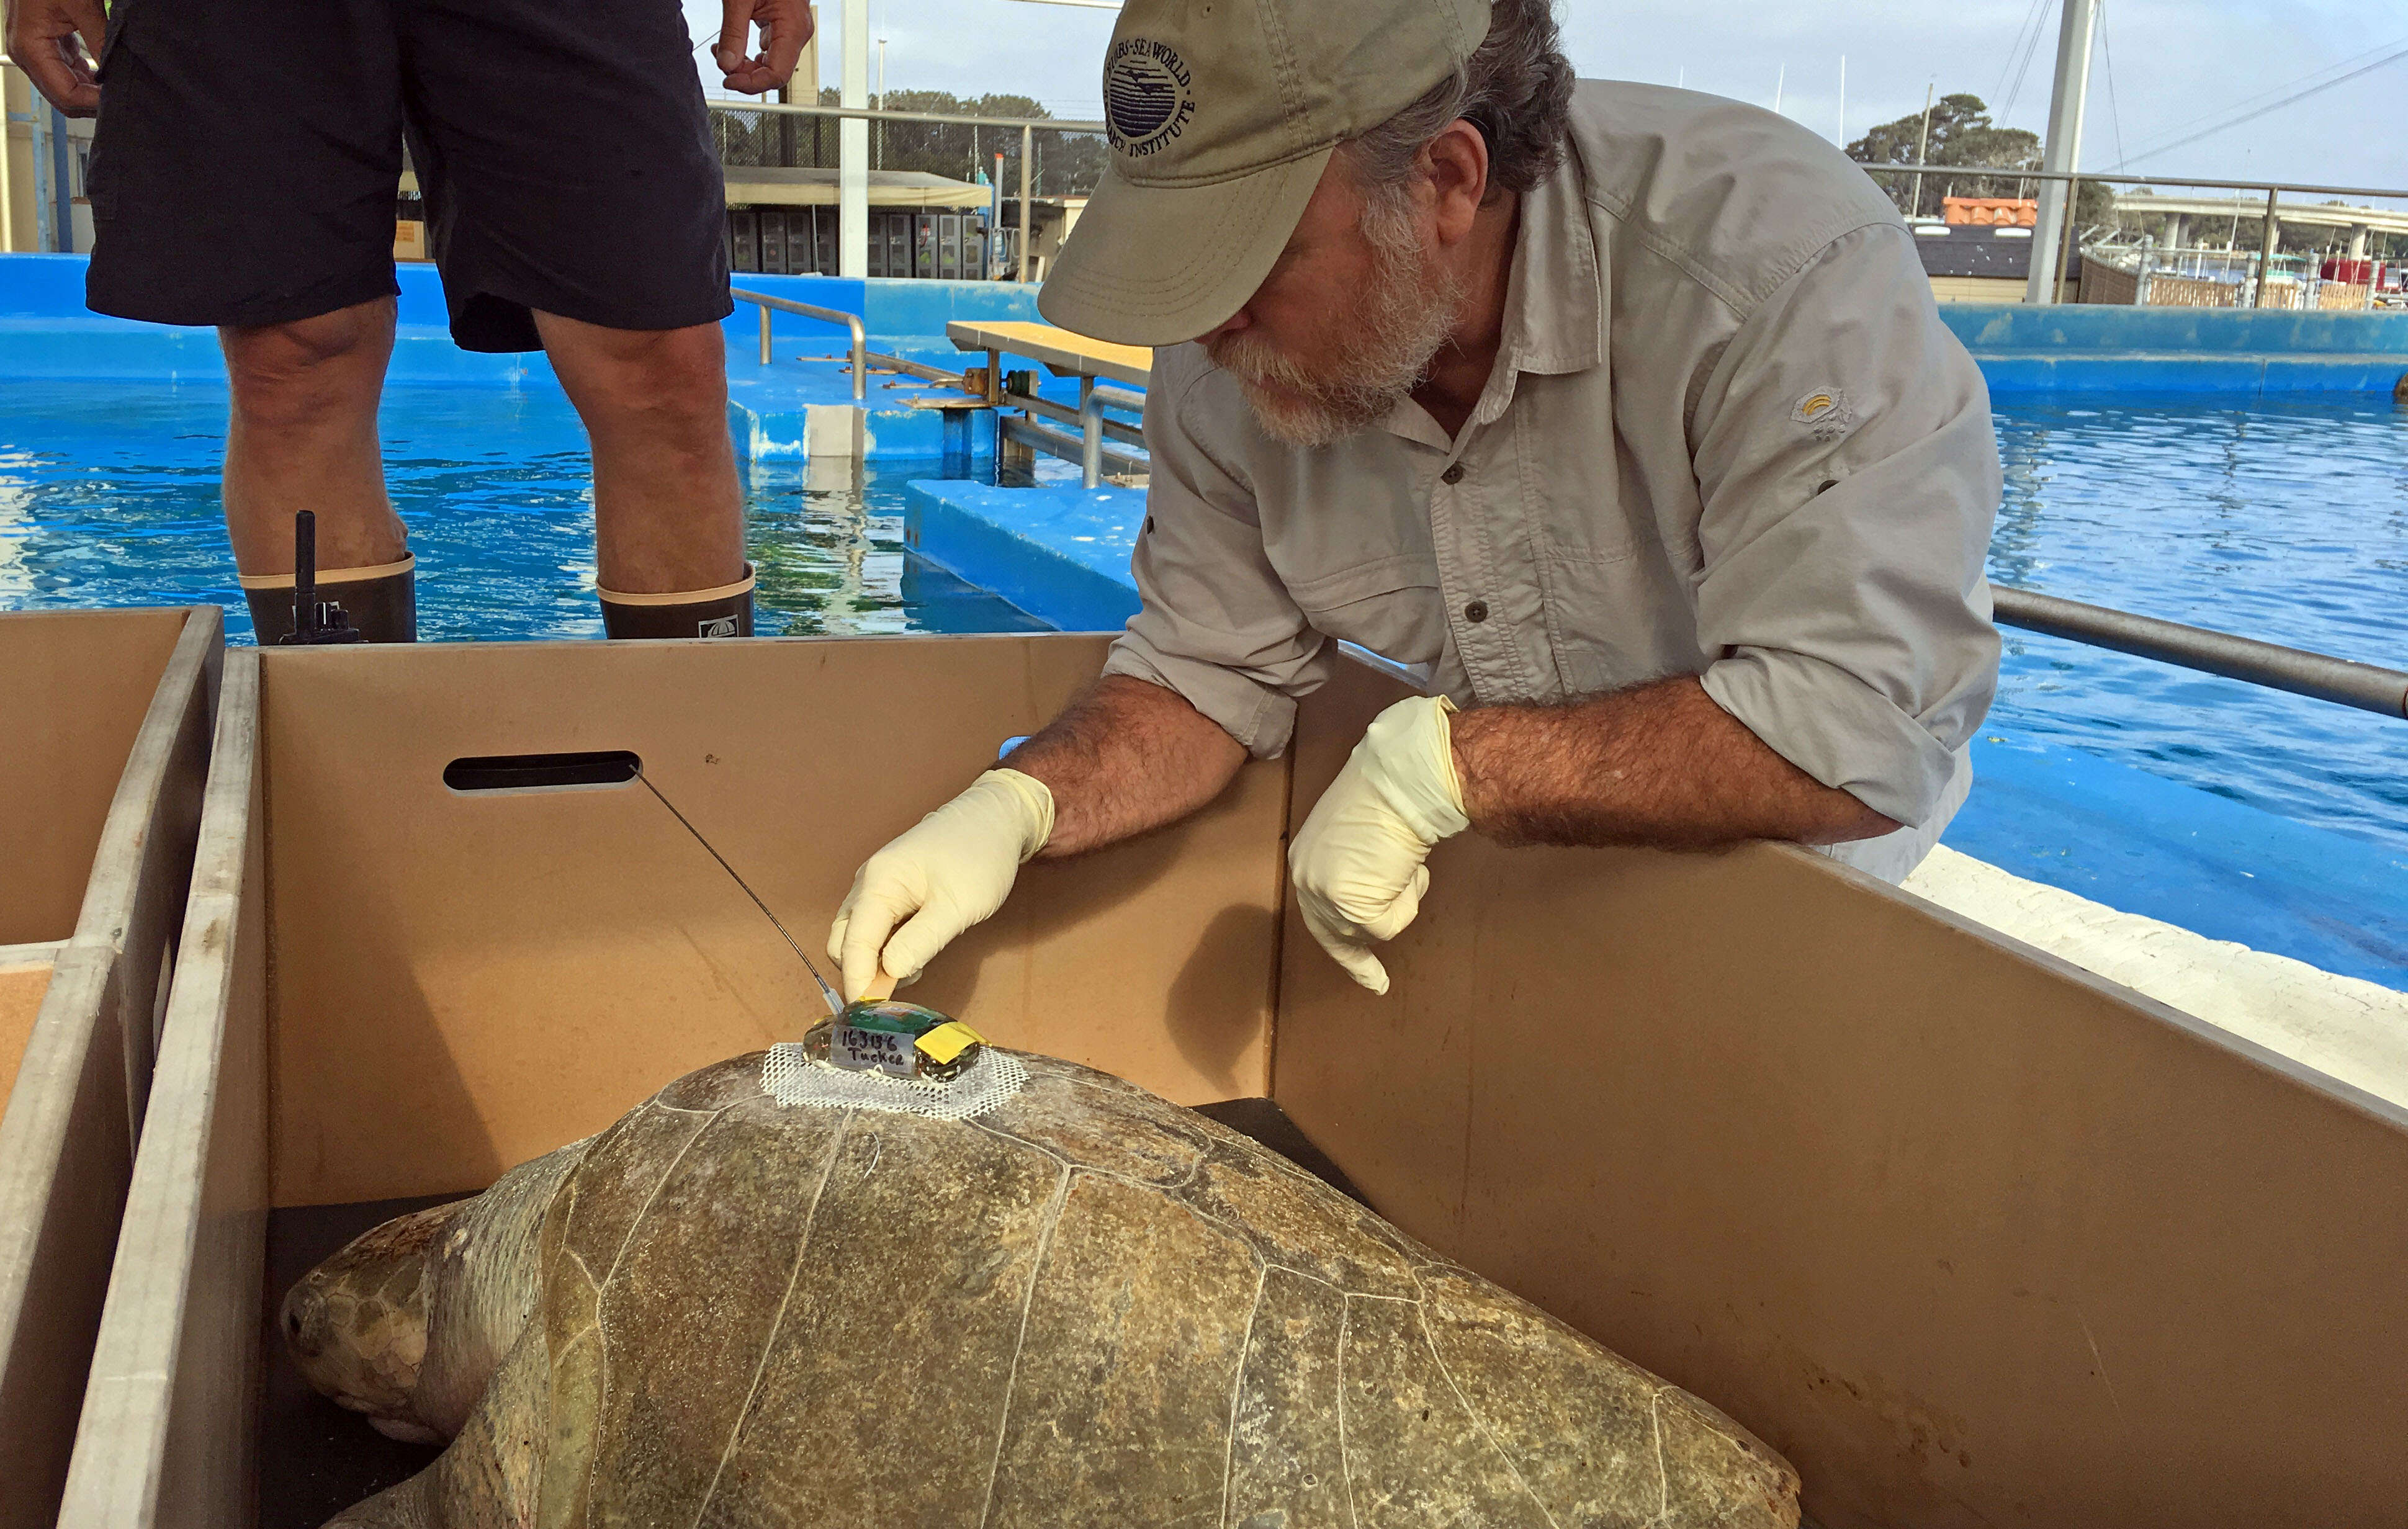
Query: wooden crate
107	715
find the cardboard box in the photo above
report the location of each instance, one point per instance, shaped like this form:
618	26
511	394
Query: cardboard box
1969	1236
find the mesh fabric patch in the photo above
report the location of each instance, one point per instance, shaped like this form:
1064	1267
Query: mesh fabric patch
792	1078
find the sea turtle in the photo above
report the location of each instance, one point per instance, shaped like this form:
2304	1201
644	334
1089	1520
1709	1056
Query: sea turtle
1086	1306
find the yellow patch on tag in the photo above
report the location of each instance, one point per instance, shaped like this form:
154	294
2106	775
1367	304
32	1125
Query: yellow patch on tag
948	1041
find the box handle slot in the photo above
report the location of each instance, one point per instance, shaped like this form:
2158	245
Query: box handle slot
542	772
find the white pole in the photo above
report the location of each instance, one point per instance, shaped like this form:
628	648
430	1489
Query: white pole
1843	100
1923	147
1027	230
7	160
2063	150
852	144
45	189
1780	84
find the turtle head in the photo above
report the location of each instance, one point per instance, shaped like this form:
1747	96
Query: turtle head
356	1325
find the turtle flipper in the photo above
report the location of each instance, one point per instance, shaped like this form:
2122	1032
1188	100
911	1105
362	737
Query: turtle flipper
404	1507
487	1479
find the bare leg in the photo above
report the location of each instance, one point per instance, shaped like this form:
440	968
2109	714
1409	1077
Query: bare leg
303	435
668	512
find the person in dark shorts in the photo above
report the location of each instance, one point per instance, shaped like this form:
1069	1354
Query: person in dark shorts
243	176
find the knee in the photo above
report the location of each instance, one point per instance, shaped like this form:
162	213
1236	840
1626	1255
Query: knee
668	380
291	373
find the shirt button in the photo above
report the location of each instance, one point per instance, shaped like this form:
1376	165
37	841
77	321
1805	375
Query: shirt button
1453	475
1476	612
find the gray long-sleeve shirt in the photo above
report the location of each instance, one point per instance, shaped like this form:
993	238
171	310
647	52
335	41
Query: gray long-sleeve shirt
1727	435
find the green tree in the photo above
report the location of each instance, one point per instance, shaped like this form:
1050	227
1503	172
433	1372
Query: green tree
1963	134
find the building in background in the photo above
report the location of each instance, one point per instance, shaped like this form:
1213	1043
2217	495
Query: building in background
42	203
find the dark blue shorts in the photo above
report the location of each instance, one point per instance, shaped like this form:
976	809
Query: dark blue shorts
248	155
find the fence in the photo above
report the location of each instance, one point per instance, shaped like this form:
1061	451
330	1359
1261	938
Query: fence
2148	277
1065	158
770	135
2259	277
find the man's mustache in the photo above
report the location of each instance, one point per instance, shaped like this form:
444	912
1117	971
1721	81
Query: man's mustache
1251	359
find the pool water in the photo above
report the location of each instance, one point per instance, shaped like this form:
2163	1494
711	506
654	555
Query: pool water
2288	522
109	496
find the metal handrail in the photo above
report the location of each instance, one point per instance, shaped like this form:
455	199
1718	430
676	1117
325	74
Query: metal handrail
1127	435
1094	427
2366	686
1069	447
852	321
2000	172
880	114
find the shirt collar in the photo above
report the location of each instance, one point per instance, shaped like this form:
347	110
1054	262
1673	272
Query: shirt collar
1553	300
1555	294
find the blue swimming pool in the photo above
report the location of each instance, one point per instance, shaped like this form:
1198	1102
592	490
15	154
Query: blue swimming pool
109	496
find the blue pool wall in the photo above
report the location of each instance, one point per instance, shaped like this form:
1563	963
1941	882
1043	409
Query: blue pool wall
46	331
2234	353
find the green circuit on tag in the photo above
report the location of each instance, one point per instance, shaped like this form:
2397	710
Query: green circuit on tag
898	1039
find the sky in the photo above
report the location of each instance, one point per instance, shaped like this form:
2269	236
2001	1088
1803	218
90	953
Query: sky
2160	65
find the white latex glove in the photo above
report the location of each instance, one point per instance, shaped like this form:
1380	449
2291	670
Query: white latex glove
949	871
1356	865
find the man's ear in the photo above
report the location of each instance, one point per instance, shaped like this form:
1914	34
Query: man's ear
1456	162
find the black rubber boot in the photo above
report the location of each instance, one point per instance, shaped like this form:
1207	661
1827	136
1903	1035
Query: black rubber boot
382	602
724	613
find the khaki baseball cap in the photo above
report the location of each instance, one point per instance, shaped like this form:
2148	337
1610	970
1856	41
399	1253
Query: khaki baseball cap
1222	115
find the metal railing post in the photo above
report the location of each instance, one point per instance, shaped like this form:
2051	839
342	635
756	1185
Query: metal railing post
1027	151
2266	251
2065	257
765	334
1091	434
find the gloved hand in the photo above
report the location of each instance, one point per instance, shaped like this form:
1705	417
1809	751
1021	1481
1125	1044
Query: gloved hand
949	871
1356	865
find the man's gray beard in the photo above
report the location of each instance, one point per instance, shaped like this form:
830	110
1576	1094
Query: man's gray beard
1401	322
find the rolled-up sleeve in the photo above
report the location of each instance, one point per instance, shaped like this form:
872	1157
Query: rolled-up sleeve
1217	626
1849	478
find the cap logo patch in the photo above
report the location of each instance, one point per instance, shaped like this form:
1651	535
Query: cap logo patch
1146	100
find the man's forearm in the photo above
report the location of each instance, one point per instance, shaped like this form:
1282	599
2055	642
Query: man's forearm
1123	758
1658	765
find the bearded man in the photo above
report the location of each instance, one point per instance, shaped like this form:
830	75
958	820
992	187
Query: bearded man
1623	412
